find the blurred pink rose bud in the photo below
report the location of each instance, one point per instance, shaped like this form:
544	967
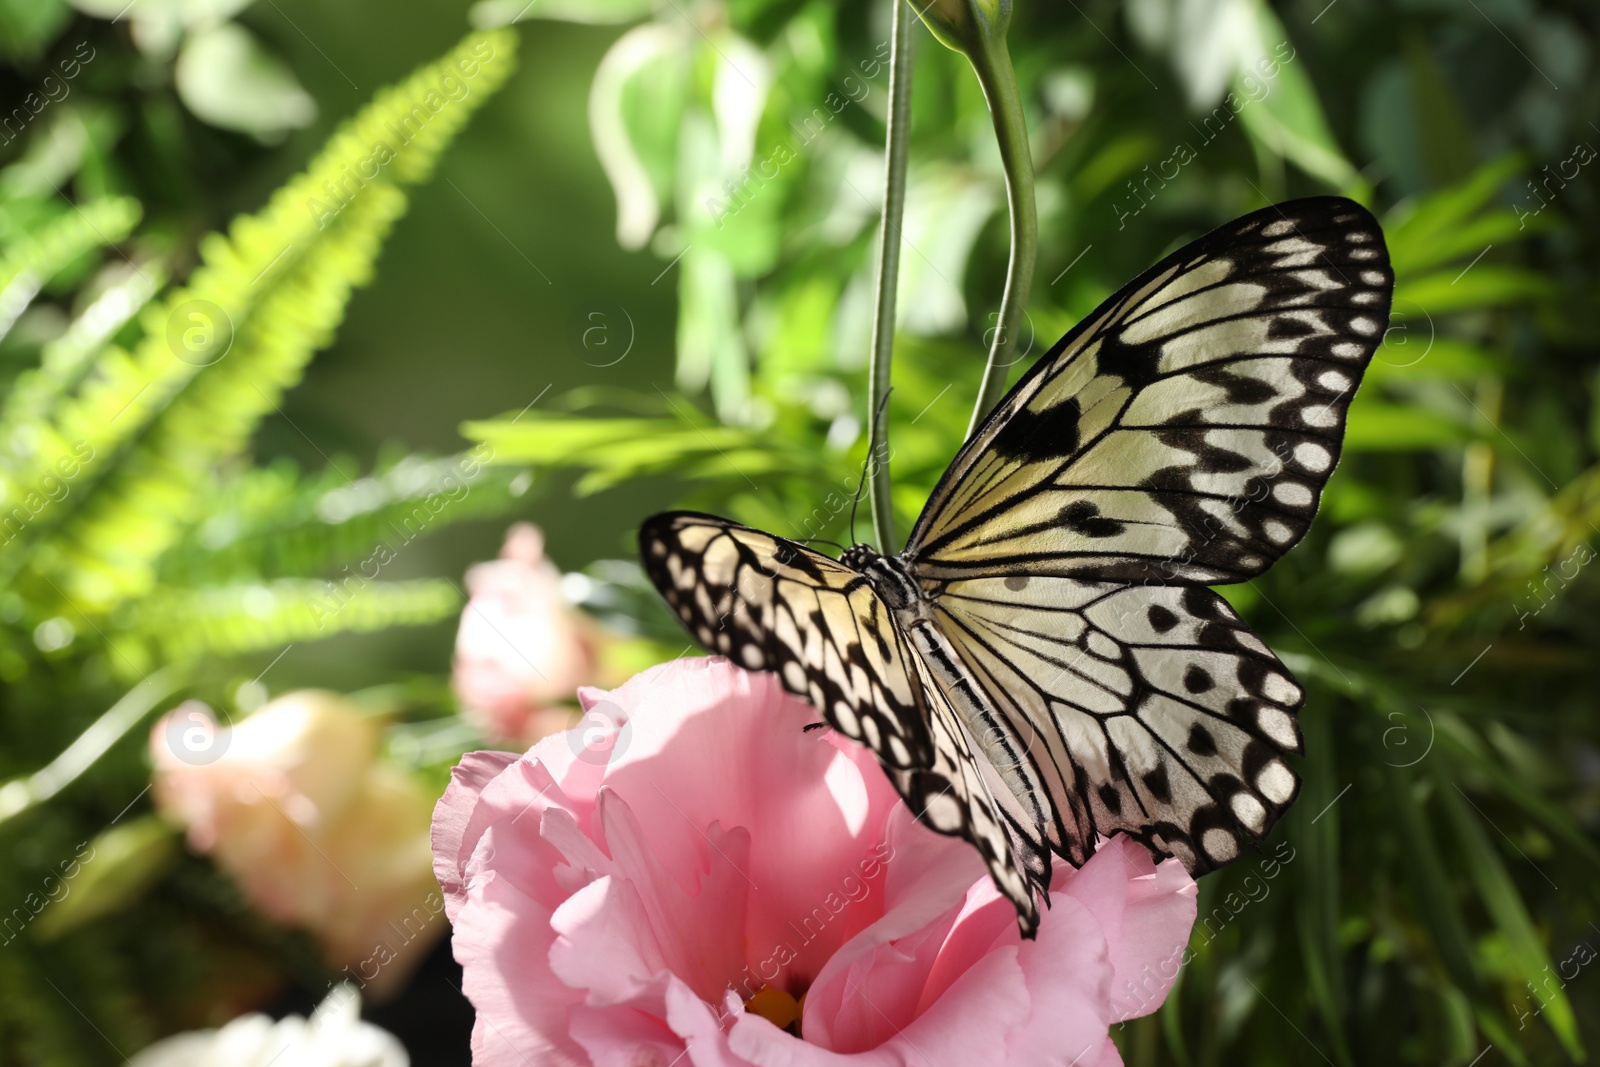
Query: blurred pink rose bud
293	805
522	649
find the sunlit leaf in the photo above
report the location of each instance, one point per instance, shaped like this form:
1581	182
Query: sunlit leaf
228	79
487	14
1471	288
1375	426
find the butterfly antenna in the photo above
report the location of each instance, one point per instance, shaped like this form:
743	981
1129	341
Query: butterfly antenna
872	436
818	541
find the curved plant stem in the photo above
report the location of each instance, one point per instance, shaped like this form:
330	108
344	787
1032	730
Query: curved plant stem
897	155
20	794
992	62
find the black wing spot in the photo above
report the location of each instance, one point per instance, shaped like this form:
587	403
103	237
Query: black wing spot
1161	619
1085	518
1160	788
1202	606
1040	436
1017	583
1201	743
1198	680
1111	798
1239	388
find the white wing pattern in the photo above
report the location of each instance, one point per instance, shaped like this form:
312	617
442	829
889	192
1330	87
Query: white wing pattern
1087	683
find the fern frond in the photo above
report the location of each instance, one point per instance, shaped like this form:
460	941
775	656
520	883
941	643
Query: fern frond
615	450
66	360
219	352
270	522
227	620
28	264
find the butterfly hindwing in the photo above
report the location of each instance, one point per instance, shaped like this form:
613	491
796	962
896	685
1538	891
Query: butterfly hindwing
1150	710
951	796
1184	431
768	603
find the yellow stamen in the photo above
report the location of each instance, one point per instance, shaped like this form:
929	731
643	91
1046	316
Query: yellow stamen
777	1007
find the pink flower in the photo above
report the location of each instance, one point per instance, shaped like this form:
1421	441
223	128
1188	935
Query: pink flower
521	649
294	806
662	887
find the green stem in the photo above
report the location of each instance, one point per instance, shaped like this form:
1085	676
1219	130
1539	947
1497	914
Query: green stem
992	63
20	794
897	156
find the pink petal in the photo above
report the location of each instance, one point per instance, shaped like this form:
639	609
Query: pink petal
502	941
1068	975
457	822
1147	913
798	795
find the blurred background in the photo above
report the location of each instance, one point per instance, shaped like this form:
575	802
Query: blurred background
617	257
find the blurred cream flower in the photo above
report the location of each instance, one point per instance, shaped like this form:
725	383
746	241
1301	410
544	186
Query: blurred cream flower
334	1036
522	649
293	804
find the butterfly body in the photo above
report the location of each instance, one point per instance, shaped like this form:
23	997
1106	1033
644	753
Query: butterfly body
1044	665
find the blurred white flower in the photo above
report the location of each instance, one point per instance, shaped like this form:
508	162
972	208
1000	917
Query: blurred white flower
334	1036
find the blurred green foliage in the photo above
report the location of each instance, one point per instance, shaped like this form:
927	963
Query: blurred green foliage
140	547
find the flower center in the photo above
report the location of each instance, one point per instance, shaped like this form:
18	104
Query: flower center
778	1008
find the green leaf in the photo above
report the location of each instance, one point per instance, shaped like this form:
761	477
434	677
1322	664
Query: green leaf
1472	288
636	105
271	522
1432	900
1410	254
184	625
1505	905
1414	350
1376	426
1414	226
217	354
488	14
711	349
1317	922
1448	146
27	26
1457	739
28	264
65	361
227	79
1289	120
115	870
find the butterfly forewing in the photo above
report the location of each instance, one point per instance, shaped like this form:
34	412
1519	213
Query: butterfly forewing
771	604
1184	431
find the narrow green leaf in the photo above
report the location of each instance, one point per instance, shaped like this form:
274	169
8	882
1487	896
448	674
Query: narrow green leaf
1416	350
1451	739
1376	426
1505	905
1471	288
1433	903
